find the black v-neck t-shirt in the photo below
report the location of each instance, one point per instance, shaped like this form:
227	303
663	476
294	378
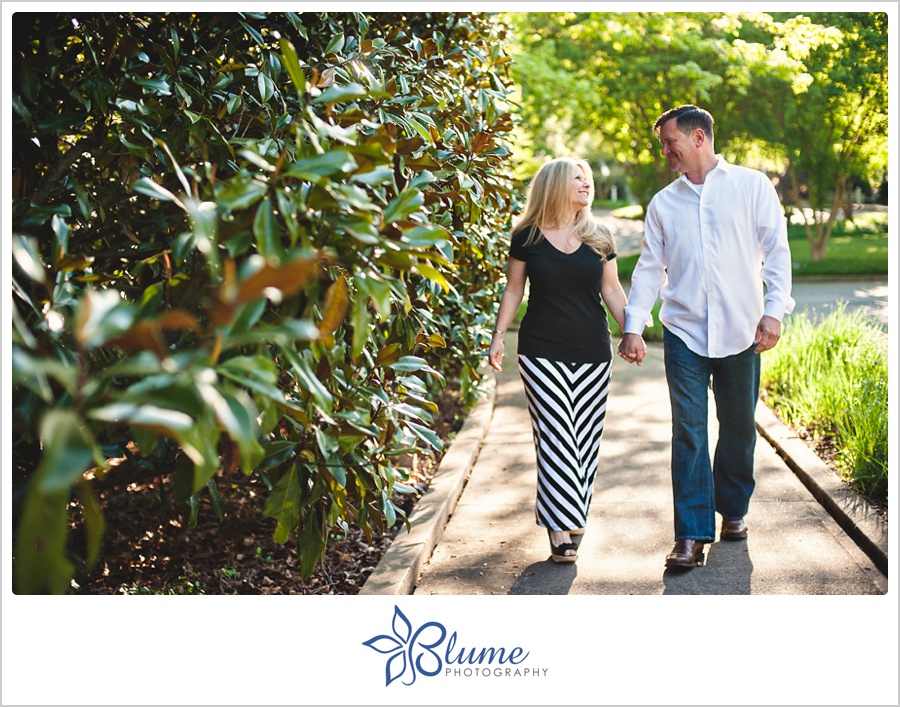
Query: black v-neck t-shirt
565	319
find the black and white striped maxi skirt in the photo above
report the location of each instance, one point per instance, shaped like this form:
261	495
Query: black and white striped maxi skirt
567	404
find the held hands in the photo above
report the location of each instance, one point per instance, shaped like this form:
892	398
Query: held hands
632	348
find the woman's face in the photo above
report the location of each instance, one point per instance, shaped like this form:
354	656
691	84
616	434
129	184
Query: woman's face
581	190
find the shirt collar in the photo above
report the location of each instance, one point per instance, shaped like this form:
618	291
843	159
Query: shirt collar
721	164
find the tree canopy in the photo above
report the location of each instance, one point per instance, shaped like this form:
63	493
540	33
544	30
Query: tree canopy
802	96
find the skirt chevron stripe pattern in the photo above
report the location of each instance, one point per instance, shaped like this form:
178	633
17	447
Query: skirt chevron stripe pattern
567	404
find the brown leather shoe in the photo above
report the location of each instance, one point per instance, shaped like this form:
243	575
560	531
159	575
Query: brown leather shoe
734	529
685	555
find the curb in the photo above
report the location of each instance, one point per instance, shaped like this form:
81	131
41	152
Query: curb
854	514
400	566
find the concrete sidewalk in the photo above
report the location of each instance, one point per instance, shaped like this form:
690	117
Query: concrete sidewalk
482	538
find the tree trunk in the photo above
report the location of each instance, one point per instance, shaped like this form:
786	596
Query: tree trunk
817	250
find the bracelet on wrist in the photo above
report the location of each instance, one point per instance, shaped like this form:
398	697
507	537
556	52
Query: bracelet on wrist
497	331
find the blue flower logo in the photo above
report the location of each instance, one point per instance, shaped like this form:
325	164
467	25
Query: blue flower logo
408	651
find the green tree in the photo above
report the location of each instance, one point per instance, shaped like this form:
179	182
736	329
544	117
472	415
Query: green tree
834	124
245	244
797	95
619	72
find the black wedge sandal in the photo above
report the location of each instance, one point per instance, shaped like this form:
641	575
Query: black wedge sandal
558	552
577	536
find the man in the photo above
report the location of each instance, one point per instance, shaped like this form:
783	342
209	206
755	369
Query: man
711	239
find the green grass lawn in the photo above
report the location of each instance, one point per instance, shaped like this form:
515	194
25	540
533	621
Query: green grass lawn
632	211
855	248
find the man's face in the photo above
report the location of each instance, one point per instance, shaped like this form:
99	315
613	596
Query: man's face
679	149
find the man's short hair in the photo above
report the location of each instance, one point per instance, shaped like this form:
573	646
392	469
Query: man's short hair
687	119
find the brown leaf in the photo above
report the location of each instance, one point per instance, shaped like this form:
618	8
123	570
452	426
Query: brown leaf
287	279
335	307
148	335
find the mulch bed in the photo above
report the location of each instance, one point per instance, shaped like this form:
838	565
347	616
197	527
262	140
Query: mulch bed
148	547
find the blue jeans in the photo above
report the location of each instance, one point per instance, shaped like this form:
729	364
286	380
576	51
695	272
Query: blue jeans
700	489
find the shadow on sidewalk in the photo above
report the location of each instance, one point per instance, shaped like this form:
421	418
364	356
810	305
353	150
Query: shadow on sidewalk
547	577
728	570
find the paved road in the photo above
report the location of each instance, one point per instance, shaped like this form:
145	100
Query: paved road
819	298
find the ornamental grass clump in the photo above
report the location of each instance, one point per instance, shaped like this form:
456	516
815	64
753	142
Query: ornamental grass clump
830	376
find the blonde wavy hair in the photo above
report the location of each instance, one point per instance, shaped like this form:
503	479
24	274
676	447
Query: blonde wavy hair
548	205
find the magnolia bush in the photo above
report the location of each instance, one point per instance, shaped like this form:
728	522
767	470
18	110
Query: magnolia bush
246	244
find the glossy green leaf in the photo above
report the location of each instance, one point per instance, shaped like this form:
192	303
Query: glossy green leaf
259	367
27	257
40	548
387	507
309	381
155	85
219	506
69	450
310	543
69	455
164	420
166	391
402	206
201	444
327	444
292	64
425	236
37	373
379	291
432	274
265	230
238	195
234	104
313	168
276	453
266	87
245	321
102	316
341	94
335	45
94	523
283	504
426	434
61	229
334	464
148	187
360	327
236	413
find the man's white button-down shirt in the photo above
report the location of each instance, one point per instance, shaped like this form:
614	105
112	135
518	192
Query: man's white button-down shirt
708	255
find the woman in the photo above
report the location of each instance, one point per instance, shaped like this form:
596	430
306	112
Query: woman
564	350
